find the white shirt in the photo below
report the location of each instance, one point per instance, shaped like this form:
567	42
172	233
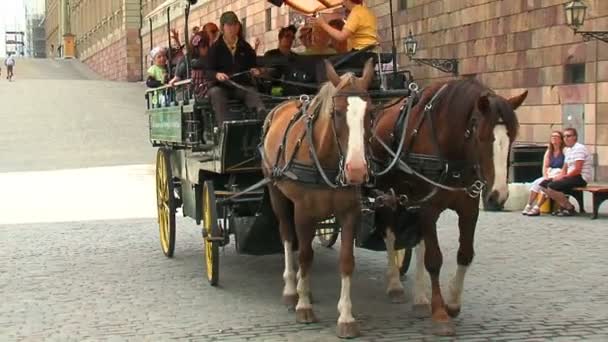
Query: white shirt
579	152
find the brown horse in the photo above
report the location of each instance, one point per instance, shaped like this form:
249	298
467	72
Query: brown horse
298	142
459	136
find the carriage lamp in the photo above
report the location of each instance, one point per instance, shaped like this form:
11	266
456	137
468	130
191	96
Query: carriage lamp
576	12
449	65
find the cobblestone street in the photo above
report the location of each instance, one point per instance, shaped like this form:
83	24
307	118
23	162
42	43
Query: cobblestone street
81	259
532	279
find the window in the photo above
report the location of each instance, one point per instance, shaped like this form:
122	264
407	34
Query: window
574	73
268	19
401	5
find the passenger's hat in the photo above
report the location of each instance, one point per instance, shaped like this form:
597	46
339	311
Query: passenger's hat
228	18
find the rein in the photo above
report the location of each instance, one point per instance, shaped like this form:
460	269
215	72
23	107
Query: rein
473	190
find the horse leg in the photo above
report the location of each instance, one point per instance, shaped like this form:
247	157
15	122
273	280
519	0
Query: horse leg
394	289
347	325
466	225
433	260
306	233
422	305
283	210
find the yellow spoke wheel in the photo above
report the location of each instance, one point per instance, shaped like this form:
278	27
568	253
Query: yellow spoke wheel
211	231
165	201
403	257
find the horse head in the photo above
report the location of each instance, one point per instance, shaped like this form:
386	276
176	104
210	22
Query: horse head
351	117
497	129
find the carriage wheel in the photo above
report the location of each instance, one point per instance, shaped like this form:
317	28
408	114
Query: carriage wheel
165	201
211	231
328	233
403	257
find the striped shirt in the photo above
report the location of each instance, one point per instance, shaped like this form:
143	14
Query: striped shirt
579	152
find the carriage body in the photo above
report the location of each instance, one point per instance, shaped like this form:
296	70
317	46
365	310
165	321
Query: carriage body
199	165
204	158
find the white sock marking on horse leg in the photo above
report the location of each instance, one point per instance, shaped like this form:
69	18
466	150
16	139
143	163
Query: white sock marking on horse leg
289	275
345	306
501	154
392	273
456	285
421	277
303	291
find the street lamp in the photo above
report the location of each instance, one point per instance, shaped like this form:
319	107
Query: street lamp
449	65
576	11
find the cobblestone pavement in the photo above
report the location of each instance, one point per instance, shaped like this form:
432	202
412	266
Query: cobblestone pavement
533	279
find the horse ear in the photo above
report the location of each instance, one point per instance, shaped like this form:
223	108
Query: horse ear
368	73
518	100
483	102
332	75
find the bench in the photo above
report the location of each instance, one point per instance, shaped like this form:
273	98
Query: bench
599	193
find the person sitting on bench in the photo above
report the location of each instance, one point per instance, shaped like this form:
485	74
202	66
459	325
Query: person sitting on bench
577	172
553	165
229	59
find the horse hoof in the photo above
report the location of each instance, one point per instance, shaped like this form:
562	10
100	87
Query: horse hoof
453	310
443	329
305	316
421	310
348	330
290	300
397	296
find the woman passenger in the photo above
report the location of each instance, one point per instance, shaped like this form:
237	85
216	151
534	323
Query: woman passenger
212	31
199	48
552	166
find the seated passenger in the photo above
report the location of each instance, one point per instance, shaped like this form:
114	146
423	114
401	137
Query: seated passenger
228	57
199	48
157	73
286	38
552	166
360	29
577	172
212	31
279	59
305	37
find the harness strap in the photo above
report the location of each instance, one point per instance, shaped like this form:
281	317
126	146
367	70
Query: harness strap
404	115
313	154
255	186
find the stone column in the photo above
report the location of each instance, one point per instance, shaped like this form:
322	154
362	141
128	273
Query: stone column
132	25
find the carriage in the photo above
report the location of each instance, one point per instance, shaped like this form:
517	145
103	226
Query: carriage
210	172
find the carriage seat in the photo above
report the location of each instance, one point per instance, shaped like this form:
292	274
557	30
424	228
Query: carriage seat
310	69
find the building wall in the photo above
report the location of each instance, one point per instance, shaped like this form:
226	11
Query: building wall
107	37
51	25
511	46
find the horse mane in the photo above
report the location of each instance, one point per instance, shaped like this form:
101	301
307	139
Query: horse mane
323	101
464	93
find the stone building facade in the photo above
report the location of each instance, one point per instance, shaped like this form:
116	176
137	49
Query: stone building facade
510	45
51	25
513	45
106	34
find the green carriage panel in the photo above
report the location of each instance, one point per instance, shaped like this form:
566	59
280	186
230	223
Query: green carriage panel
168	124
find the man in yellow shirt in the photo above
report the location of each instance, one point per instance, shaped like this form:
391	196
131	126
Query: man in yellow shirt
361	28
